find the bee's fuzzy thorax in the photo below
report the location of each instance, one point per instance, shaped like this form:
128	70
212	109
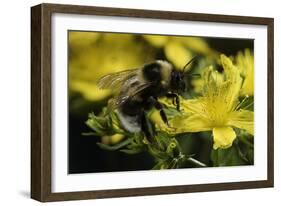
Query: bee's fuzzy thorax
166	69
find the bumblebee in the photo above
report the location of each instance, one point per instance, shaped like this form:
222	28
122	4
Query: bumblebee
137	91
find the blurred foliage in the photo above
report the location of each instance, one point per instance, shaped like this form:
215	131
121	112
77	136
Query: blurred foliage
245	63
163	147
92	55
215	124
241	153
179	50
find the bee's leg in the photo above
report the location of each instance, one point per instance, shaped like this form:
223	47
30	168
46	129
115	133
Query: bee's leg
146	127
160	107
175	98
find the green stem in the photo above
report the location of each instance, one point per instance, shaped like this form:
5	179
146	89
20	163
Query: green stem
245	141
114	147
196	162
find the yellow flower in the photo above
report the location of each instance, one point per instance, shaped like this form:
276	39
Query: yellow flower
217	110
245	64
94	54
156	40
180	49
81	40
113	139
177	53
198	83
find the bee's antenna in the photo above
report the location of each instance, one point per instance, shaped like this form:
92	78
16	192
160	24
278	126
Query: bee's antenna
190	61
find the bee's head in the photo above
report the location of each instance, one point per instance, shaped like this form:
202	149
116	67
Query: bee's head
178	81
178	78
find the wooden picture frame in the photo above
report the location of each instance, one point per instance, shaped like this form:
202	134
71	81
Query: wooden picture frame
41	96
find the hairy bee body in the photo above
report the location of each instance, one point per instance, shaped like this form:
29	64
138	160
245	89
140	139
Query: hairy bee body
138	91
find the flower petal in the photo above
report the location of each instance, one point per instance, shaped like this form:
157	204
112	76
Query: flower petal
223	137
192	123
83	39
234	78
89	90
197	44
193	106
243	119
245	64
155	40
177	54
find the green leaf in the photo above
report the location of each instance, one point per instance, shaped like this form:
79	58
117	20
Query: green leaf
157	153
114	147
158	166
227	157
246	147
89	134
131	151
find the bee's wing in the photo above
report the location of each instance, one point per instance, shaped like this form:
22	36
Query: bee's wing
115	81
120	99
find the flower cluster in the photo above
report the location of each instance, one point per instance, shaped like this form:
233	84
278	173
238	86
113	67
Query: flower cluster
218	109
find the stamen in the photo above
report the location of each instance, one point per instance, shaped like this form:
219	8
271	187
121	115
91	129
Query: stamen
248	105
240	104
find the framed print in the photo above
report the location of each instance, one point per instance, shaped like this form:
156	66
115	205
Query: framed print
130	102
